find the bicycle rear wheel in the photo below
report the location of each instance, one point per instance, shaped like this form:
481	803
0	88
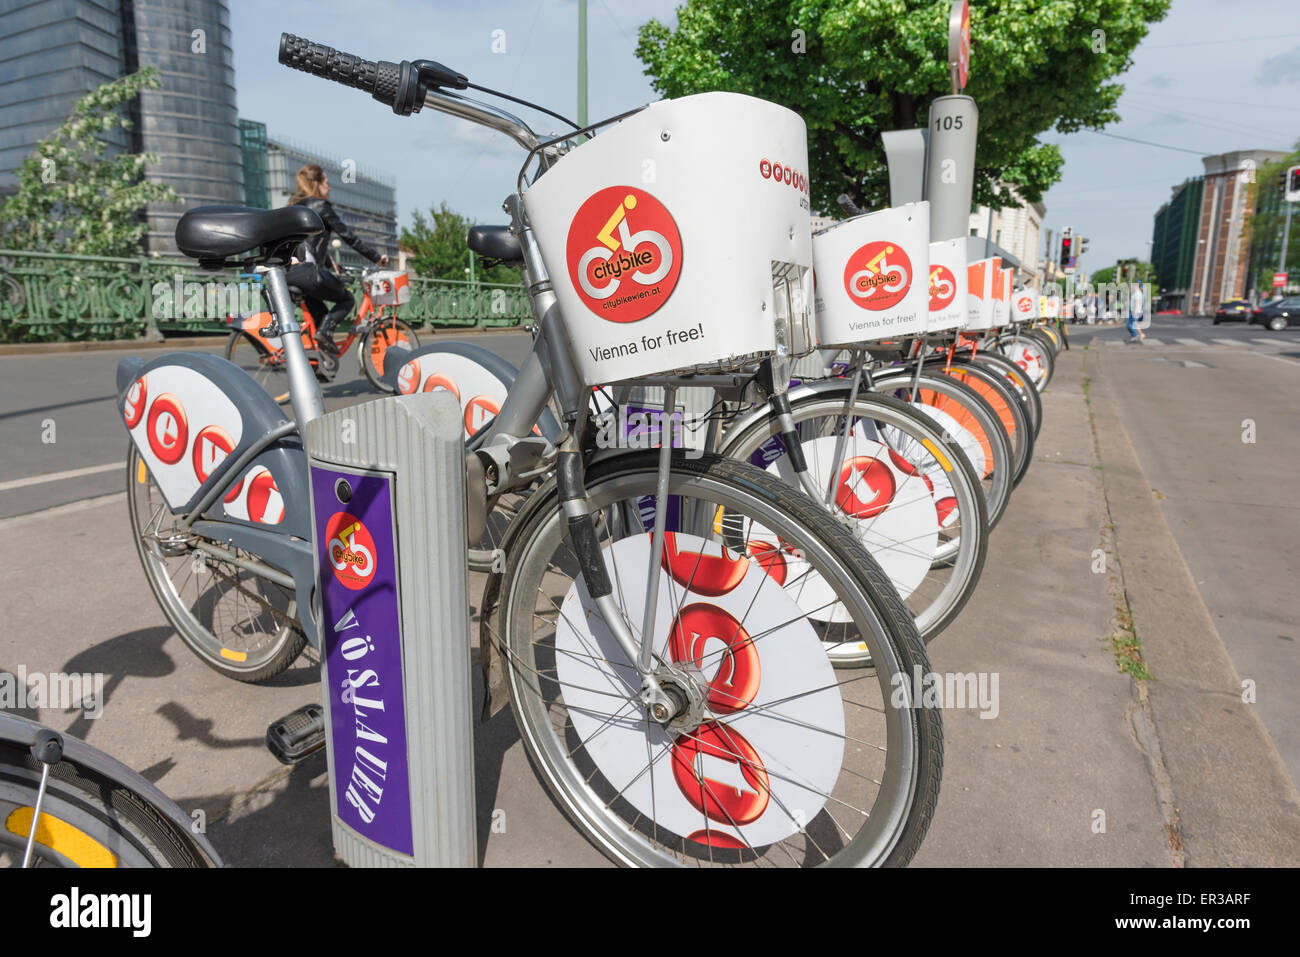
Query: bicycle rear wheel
780	760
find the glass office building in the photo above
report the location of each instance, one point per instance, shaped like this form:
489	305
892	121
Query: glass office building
52	52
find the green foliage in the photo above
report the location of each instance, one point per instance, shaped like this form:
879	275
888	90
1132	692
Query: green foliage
72	198
439	250
1126	270
1265	227
868	67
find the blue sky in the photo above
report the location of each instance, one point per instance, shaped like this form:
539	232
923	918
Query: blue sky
1211	77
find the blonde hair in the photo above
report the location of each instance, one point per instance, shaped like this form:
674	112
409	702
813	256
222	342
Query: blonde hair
310	178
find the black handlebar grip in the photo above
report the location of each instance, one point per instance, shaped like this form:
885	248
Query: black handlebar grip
320	60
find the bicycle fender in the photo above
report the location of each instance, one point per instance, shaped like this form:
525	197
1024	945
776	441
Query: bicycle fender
189	414
479	379
763	411
22	732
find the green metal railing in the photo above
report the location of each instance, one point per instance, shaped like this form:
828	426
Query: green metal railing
51	296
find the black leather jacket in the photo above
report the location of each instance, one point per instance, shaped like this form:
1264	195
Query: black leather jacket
320	245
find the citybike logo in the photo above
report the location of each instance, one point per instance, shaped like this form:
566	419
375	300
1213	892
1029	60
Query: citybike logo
783	174
878	275
620	274
168	429
351	550
943	287
136	399
866	487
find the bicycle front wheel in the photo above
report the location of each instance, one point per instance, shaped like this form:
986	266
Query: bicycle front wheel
777	758
373	348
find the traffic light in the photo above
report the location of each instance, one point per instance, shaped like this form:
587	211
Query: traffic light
1067	247
1293	185
1083	246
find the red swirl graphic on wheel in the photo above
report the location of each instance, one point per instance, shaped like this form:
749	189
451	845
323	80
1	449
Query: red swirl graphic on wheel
878	275
866	487
624	253
705	765
702	573
703	634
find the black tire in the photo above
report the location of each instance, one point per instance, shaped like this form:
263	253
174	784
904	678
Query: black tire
370	350
202	622
890	837
1277	323
86	820
247	353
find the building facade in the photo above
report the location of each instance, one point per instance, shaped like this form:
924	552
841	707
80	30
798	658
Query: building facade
53	52
1269	222
1016	229
1223	235
1174	243
365	199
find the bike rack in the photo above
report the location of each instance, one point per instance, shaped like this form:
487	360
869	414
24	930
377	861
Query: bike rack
388	500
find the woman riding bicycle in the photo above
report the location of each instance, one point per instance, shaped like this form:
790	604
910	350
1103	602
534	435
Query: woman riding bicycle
315	276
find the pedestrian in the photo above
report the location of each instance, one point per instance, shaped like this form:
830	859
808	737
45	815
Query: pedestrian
1135	315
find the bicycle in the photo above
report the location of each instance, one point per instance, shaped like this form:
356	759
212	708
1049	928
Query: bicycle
262	356
705	555
66	804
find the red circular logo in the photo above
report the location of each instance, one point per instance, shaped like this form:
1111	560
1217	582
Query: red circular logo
624	253
408	377
705	634
725	801
943	287
264	502
168	430
133	406
479	411
211	446
878	275
866	487
350	550
900	463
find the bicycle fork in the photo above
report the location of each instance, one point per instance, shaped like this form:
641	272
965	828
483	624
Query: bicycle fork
47	749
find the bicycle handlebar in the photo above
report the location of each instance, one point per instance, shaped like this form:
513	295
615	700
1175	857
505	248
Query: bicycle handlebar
403	86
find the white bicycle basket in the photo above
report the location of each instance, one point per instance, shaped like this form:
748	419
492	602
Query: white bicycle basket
388	287
872	273
947	285
679	239
979	277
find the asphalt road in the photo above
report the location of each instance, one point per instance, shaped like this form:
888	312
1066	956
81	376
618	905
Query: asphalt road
1021	790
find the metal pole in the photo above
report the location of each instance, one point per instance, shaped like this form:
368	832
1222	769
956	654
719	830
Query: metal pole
1286	234
582	62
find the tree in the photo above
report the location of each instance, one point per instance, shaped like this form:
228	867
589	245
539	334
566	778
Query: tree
1265	227
439	249
854	70
72	198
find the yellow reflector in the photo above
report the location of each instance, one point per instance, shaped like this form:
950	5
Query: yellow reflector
141	473
717	520
934	450
234	655
74	844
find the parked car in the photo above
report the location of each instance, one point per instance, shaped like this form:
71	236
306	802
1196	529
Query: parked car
1233	310
1277	314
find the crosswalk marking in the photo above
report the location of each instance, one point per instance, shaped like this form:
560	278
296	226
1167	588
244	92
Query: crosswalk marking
1151	341
1265	342
1191	342
1230	342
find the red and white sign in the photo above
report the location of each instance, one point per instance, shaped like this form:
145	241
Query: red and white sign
959	43
726	783
882	263
1279	280
624	253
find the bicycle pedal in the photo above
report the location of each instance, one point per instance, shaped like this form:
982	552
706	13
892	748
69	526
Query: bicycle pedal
298	734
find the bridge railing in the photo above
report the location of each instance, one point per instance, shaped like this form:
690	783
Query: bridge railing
53	296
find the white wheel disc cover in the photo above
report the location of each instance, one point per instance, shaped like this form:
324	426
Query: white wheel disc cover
792	718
